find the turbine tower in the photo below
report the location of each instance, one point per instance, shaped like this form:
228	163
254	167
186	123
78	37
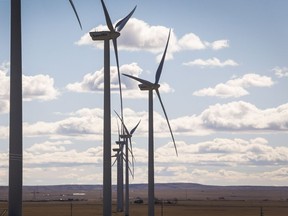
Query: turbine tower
127	140
15	127
119	160
106	36
150	87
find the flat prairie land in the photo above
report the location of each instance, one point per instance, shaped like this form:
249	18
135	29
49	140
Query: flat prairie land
182	208
179	199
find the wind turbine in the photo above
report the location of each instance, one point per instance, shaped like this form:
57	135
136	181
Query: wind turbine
15	128
127	138
106	36
119	160
150	87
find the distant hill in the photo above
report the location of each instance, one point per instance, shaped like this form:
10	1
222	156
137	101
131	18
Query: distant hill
181	191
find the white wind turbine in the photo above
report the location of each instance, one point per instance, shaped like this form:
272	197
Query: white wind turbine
127	140
15	128
150	87
106	36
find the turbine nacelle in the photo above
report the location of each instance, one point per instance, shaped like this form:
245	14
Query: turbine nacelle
127	136
144	87
120	142
104	35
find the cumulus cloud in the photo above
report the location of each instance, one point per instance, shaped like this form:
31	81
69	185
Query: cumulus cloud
234	116
245	116
60	157
48	146
192	42
219	44
4	106
214	62
39	87
94	82
225	151
236	87
139	35
82	124
280	72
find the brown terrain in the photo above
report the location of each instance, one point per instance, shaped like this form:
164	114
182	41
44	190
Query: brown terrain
172	199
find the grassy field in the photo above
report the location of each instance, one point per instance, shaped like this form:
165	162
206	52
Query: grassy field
184	208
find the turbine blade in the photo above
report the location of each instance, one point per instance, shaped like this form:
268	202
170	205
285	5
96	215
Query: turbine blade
114	162
145	82
159	70
118	130
120	25
126	130
158	94
74	9
131	149
119	78
132	173
133	130
107	17
132	155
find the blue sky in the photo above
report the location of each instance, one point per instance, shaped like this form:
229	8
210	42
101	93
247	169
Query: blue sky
224	86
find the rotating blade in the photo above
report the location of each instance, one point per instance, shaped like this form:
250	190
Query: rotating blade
145	82
107	17
158	94
119	77
132	155
126	130
159	70
114	161
133	130
74	9
118	130
120	25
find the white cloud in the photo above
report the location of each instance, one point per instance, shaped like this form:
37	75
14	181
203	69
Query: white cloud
235	116
92	82
48	146
280	72
139	35
191	41
214	62
4	81
85	124
4	106
223	152
245	116
95	82
38	87
236	87
219	44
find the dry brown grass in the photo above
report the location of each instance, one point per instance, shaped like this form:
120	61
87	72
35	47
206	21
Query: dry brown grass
184	208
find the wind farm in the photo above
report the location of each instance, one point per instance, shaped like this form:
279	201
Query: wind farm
58	85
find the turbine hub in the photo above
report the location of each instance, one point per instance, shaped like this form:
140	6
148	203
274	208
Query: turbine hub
104	35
